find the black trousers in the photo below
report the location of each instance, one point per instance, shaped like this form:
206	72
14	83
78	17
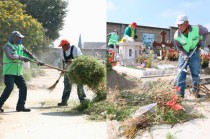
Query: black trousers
9	81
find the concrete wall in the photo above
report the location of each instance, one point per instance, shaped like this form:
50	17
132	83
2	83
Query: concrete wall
120	27
92	52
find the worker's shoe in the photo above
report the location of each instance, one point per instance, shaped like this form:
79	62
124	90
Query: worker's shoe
195	94
1	110
63	104
22	109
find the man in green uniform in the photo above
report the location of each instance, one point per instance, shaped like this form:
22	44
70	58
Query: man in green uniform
14	54
186	39
113	39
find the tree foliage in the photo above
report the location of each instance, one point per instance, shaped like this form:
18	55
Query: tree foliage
50	13
13	17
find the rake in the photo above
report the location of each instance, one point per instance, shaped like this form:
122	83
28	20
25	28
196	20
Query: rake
49	66
184	65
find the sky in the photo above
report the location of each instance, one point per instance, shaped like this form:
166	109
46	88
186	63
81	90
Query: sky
158	13
85	17
89	17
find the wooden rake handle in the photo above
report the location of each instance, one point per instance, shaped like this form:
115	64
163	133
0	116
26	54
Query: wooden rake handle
49	66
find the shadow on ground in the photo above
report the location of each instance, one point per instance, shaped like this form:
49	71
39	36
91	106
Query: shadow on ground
117	80
63	113
58	111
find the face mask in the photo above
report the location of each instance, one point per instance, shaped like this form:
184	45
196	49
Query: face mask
19	41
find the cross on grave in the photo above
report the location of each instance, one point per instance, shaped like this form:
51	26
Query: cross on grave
162	43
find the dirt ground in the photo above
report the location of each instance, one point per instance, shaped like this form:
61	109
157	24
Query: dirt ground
116	80
47	120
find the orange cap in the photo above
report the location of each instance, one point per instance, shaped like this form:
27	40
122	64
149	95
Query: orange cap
63	42
134	24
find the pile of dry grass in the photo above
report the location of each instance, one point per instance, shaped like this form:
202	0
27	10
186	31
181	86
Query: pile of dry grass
160	92
134	124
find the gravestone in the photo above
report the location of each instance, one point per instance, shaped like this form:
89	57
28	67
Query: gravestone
163	44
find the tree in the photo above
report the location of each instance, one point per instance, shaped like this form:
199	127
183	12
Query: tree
50	13
14	18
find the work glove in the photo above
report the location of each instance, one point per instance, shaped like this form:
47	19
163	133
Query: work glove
186	58
130	39
203	52
23	58
40	63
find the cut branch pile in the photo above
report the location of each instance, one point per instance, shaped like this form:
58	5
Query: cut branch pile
167	111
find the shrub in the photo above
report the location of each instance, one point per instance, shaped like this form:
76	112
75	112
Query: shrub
149	60
140	59
88	71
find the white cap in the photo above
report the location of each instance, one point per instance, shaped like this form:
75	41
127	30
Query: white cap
15	34
181	19
18	34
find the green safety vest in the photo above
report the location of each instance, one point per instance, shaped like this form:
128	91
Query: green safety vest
190	42
113	39
13	67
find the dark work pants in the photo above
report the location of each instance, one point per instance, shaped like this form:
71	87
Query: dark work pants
67	90
9	81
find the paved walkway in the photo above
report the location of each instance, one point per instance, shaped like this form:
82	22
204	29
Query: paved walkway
47	120
205	79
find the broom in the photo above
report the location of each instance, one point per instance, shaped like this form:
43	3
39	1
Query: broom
54	85
49	66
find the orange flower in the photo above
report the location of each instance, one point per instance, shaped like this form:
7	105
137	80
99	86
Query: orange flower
173	104
177	89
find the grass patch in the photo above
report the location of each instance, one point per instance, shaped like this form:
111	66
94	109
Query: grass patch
134	67
170	136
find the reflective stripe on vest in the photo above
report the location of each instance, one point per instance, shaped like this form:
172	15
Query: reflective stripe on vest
190	42
13	67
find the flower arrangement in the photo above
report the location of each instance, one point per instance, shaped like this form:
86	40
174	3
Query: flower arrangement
172	55
205	58
145	61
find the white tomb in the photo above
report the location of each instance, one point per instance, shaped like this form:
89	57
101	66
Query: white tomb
128	52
